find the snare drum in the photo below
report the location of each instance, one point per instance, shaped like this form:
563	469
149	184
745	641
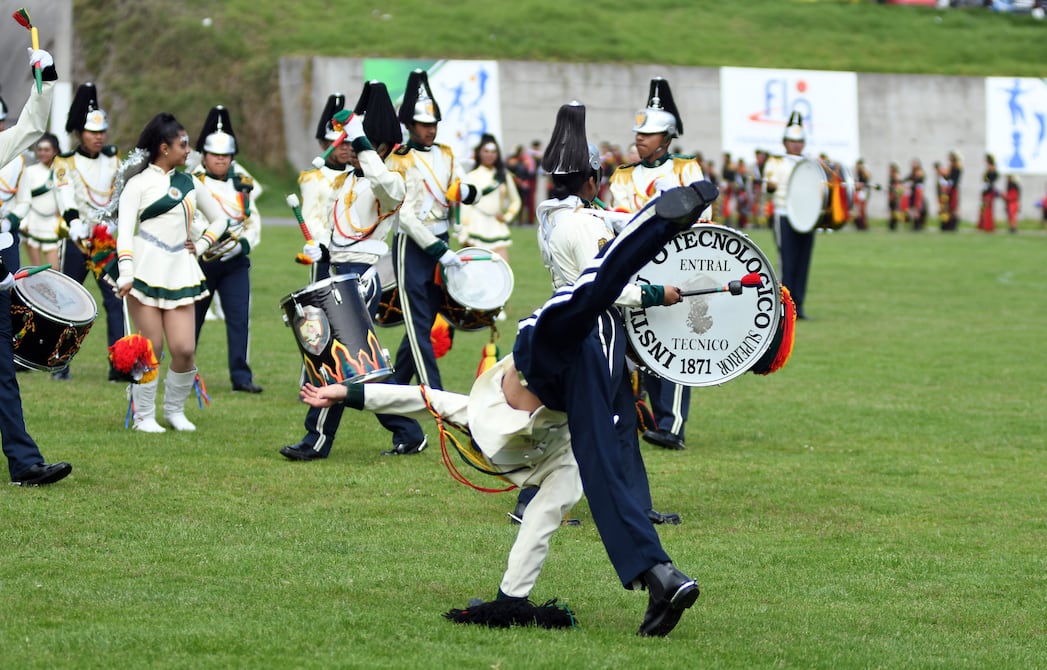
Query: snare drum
713	338
820	195
389	312
475	293
335	333
51	315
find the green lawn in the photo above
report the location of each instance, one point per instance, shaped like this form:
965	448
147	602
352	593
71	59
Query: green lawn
877	503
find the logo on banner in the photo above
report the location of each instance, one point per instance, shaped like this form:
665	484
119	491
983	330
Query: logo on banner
780	100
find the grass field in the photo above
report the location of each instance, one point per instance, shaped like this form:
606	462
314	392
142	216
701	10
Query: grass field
879	503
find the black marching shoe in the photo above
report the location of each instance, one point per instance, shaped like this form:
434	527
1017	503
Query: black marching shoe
42	473
670	592
408	449
658	518
300	452
249	387
683	205
664	439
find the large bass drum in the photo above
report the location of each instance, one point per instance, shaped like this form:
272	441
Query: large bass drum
51	315
712	338
820	195
334	332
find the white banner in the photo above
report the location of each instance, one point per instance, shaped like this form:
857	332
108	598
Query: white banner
467	92
756	104
1016	124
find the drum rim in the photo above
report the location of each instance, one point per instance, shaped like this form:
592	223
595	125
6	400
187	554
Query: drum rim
497	261
326	281
639	352
57	318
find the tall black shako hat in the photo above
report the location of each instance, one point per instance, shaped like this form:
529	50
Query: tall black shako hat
418	104
217	137
794	129
84	112
380	123
568	151
324	129
660	115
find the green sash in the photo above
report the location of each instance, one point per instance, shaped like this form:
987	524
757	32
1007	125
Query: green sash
182	184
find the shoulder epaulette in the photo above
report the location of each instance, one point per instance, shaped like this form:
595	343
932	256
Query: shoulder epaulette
109	150
402	151
683	157
68	154
308	175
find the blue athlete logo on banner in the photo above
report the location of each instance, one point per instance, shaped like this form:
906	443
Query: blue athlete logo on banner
1016	123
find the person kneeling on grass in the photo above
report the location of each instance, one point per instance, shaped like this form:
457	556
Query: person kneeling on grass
561	357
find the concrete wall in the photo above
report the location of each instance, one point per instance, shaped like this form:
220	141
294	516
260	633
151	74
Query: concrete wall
901	117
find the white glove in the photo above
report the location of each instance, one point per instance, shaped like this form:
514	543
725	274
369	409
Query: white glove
7	283
40	56
354	127
313	251
5	225
233	253
123	281
199	247
451	260
663	184
78	230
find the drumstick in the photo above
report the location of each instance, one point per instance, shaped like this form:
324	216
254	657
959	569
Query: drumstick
338	122
29	272
22	16
735	286
296	206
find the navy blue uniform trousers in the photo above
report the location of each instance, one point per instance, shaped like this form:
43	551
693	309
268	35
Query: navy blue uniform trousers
560	354
231	281
795	250
20	449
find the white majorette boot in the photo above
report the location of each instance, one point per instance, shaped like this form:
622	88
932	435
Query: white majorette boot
144	396
177	387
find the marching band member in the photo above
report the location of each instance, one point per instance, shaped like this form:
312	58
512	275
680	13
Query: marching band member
361	218
158	270
37	207
794	248
433	181
916	196
1012	196
986	216
862	184
10	176
564	391
632	186
24	462
229	273
896	194
949	209
84	179
485	223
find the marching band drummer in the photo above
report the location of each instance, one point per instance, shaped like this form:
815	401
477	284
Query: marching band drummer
434	184
158	270
528	438
794	248
632	186
10	176
24	462
361	218
36	205
229	274
84	179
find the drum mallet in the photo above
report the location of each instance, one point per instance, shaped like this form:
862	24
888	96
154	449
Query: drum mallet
22	16
735	286
338	122
29	272
296	206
